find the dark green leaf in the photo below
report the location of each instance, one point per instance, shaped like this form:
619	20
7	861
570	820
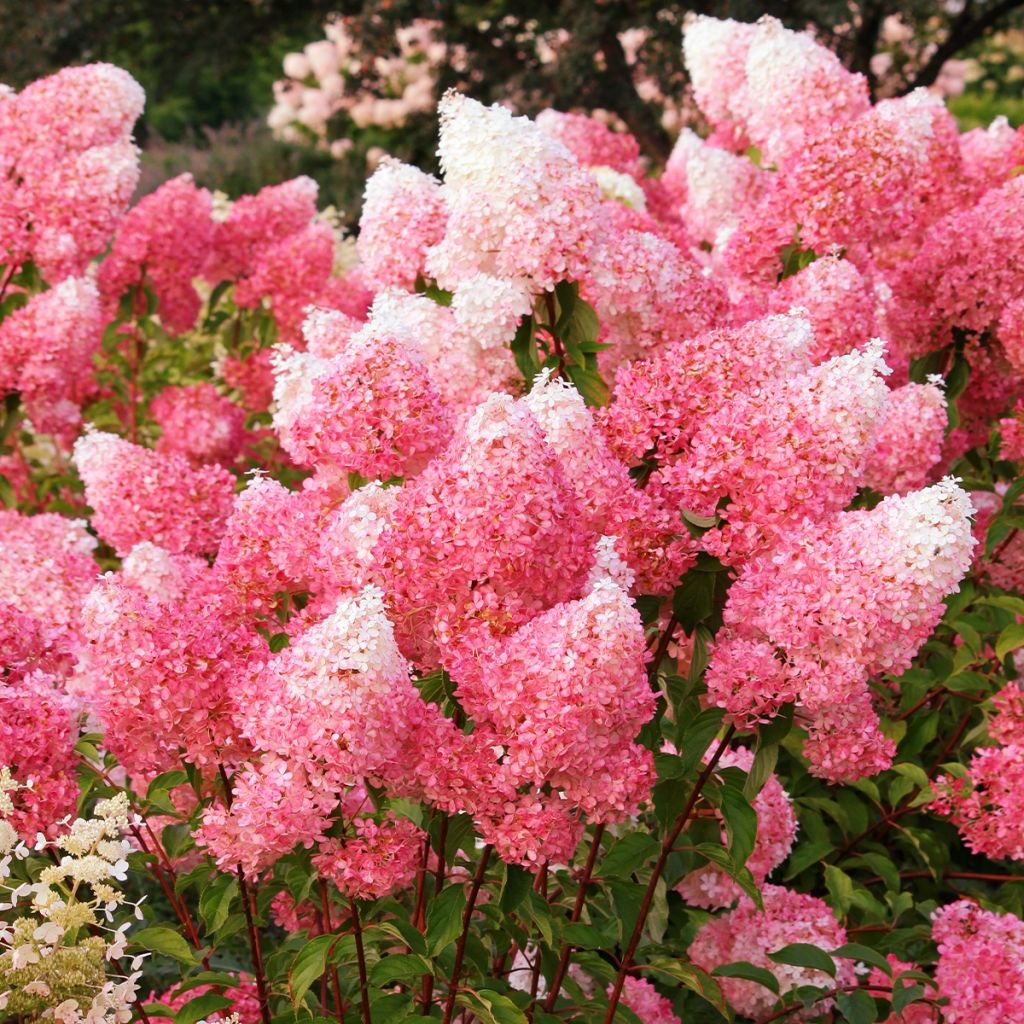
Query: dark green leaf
628	854
166	941
749	972
444	918
803	954
201	1008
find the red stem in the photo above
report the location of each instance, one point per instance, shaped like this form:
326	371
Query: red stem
467	917
364	988
659	866
577	912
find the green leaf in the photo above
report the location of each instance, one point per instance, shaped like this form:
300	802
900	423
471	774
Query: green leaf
215	901
697	737
628	854
701	595
765	759
857	1007
278	642
491	1007
585	936
165	941
518	882
740	823
904	995
840	888
391	1007
202	1007
807	854
399	967
308	965
1010	639
855	951
524	349
748	972
444	918
803	954
590	384
695	980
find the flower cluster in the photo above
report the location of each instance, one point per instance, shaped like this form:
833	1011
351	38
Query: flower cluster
50	969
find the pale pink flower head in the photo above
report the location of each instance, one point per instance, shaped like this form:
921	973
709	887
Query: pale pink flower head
163	677
288	275
796	90
715	187
338	702
749	934
38	731
46	571
659	403
791	451
836	603
566	695
76	109
986	807
838	301
647	293
383	856
990	154
519	204
68	164
75	204
403	216
647	1002
716	58
139	494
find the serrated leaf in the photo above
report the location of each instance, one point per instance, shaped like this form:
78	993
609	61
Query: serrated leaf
803	954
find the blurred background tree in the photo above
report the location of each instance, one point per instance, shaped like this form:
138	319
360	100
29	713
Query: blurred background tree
209	67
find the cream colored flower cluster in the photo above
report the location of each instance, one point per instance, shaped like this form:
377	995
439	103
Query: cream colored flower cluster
58	921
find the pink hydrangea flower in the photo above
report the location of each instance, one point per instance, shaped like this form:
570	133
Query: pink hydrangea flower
139	494
749	934
981	964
